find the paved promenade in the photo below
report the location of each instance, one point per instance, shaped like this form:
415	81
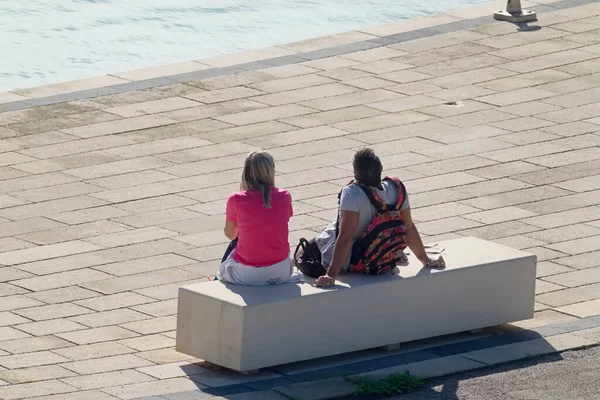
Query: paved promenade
112	189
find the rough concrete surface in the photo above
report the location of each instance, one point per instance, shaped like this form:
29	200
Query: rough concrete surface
572	375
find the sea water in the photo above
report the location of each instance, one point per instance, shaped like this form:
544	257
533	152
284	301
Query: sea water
49	41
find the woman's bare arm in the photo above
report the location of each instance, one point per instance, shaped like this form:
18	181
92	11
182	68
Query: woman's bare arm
231	230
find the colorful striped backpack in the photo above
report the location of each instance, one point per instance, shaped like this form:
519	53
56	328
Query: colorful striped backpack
381	246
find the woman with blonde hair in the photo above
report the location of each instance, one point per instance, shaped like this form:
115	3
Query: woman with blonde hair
257	223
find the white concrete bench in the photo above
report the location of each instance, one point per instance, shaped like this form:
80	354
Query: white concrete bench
248	328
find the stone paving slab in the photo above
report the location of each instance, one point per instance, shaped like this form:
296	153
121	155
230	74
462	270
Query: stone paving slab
112	192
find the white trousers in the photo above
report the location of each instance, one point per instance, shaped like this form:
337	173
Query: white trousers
234	272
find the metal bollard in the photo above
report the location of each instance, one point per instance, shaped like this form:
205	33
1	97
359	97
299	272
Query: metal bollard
514	13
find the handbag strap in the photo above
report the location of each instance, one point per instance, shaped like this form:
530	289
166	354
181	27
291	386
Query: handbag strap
306	248
301	244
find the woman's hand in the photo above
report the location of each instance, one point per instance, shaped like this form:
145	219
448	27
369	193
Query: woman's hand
325	281
438	263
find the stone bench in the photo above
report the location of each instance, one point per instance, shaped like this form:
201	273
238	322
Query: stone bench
248	328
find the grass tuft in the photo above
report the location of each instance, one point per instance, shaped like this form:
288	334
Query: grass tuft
393	384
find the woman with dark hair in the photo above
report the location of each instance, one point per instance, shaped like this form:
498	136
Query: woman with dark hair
257	223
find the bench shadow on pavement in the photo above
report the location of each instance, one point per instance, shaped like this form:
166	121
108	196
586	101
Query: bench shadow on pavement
442	388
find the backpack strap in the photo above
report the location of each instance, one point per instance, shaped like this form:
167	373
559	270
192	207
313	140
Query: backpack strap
400	188
374	198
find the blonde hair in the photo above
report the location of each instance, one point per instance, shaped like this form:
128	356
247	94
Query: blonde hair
259	174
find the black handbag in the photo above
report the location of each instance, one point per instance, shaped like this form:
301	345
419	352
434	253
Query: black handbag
309	262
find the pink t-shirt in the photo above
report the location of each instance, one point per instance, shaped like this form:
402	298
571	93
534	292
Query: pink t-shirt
262	232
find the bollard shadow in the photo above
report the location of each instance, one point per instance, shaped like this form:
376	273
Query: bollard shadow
525	27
